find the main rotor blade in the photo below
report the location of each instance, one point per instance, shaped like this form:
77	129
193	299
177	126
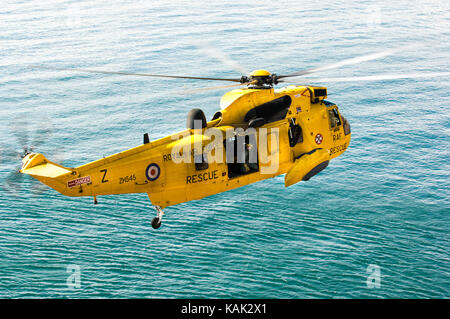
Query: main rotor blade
135	74
219	55
212	88
379	77
351	61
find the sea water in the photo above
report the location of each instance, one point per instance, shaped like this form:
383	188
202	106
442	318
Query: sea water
374	224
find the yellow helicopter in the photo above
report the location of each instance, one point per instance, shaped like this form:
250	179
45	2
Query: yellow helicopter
259	133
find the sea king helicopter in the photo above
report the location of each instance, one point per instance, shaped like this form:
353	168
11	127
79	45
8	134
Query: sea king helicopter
259	133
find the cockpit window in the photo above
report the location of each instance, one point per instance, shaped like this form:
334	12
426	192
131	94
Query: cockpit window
334	117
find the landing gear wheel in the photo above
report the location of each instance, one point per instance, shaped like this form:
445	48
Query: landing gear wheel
156	222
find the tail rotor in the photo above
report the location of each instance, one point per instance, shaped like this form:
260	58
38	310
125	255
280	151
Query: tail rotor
14	182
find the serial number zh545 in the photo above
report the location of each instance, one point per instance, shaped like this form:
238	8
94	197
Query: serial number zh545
127	179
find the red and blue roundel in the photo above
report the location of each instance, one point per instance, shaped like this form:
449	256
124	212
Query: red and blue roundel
152	172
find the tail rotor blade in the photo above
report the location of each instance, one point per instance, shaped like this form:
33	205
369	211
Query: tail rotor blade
13	182
42	134
9	156
38	188
19	129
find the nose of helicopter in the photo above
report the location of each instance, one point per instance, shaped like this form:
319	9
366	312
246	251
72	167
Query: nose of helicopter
346	125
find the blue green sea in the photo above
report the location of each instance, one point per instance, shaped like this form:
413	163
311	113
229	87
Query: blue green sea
374	224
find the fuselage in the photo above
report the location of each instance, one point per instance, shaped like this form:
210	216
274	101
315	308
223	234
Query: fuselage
291	130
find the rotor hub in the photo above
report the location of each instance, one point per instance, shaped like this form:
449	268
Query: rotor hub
260	79
26	150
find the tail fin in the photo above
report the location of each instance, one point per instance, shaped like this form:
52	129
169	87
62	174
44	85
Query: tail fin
47	172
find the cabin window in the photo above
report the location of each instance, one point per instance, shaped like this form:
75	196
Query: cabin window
334	117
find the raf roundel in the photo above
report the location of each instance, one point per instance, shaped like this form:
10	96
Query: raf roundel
319	138
152	172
